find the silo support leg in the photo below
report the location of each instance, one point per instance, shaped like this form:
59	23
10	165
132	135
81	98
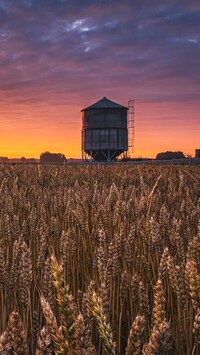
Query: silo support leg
95	155
108	155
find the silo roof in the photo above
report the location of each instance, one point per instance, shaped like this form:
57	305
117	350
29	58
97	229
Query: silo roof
104	103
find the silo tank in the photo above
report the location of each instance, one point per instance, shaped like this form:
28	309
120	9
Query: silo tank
104	130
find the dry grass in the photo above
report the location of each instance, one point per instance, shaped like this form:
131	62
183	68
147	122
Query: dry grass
99	260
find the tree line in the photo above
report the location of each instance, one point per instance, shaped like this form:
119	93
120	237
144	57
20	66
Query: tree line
46	158
59	158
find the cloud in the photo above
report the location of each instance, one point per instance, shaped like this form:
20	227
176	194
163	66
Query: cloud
60	52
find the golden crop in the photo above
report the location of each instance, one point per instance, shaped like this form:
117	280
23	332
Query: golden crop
99	260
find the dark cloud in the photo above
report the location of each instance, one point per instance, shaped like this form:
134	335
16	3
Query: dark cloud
62	50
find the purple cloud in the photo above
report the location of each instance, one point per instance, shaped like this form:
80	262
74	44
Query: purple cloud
64	53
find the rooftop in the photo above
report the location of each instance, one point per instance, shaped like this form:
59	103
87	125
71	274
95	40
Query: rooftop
104	103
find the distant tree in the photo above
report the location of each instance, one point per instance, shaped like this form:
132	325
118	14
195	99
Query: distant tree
170	155
53	158
23	160
4	160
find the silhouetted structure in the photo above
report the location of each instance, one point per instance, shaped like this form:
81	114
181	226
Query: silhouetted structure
197	153
104	130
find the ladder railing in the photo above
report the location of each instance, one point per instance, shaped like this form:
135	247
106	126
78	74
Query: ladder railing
131	126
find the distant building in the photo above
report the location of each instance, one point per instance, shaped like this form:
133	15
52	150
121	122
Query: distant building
197	153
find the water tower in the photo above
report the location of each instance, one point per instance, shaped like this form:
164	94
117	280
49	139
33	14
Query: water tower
104	130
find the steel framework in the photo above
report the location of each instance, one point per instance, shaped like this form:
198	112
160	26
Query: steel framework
131	126
108	154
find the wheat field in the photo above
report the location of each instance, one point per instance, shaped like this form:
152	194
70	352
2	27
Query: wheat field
99	260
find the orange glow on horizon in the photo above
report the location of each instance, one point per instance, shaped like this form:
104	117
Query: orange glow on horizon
53	66
158	127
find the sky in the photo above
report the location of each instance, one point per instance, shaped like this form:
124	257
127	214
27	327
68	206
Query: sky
59	56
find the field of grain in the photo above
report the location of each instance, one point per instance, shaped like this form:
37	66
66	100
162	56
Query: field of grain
99	260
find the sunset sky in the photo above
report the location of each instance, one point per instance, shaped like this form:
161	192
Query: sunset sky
59	56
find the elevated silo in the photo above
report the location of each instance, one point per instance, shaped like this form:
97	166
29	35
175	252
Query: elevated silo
104	130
